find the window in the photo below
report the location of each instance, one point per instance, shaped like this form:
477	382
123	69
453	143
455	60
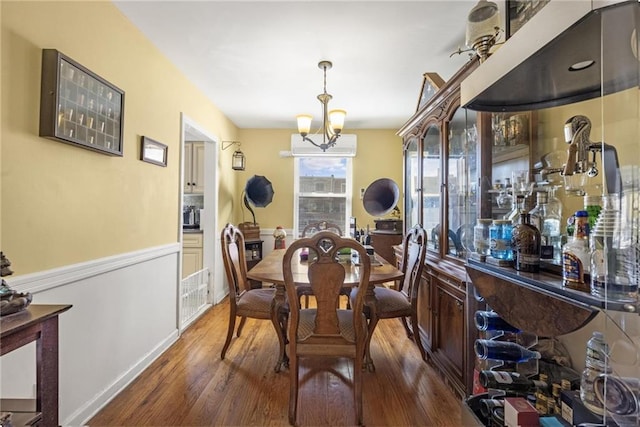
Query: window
322	189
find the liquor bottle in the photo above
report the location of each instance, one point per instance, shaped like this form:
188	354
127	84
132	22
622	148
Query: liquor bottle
595	364
512	381
487	406
504	350
514	214
491	321
525	240
576	259
546	219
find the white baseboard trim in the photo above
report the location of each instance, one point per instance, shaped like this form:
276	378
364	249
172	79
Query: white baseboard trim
94	405
49	279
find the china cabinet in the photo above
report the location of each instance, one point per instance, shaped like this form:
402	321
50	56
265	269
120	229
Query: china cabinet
441	158
194	167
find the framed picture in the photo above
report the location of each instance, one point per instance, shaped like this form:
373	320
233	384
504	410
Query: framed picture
79	107
519	12
431	82
153	152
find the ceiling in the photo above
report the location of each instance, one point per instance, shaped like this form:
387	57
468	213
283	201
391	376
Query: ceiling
258	60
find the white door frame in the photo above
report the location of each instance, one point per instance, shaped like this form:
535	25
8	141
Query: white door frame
211	251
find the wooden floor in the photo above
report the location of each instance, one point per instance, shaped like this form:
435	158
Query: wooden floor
190	386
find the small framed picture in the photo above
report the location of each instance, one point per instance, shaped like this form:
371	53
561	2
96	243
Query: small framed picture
431	82
153	152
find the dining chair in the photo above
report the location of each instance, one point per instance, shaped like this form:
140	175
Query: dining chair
326	331
400	301
245	302
309	231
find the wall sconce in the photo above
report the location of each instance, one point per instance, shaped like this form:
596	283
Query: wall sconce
238	159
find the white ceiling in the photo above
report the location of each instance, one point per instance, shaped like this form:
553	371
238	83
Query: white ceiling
258	60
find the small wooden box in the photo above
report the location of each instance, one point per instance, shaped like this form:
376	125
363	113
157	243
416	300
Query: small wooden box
250	231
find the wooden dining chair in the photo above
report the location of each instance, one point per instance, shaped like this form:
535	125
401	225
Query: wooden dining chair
245	302
326	331
309	231
401	301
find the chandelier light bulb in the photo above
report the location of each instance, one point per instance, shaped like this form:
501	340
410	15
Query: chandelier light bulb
304	124
336	118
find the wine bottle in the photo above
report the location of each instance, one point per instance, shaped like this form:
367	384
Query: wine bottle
509	381
504	350
487	406
491	321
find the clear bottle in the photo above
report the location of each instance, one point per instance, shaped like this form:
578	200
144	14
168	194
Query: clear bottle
514	215
546	219
481	236
503	350
576	258
595	364
525	241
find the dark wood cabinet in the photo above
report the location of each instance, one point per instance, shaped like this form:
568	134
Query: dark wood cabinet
253	255
383	243
425	314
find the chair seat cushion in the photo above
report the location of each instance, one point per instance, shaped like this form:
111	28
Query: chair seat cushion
389	303
256	303
345	322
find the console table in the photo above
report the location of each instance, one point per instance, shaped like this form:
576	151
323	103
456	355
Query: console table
37	323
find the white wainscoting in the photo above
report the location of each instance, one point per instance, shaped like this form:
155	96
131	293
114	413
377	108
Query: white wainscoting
124	316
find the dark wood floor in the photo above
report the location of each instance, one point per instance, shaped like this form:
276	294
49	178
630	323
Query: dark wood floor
190	386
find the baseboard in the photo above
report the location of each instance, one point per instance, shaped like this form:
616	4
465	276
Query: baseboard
95	404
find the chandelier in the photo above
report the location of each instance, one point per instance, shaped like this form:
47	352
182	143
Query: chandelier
332	121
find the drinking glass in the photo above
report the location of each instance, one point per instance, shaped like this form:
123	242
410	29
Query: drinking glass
520	182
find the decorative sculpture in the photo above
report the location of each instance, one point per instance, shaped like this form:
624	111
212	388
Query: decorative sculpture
279	235
10	301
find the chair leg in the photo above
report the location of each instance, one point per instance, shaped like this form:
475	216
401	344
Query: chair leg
280	321
367	350
232	325
416	336
243	319
406	327
293	390
357	387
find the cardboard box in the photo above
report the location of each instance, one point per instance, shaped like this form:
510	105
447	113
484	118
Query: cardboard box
573	410
519	413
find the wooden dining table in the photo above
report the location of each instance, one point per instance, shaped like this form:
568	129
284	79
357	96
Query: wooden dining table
269	270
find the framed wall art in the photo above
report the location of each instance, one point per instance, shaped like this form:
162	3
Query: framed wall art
431	82
79	107
153	151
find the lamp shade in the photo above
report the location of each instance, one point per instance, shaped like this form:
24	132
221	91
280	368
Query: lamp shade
304	123
336	118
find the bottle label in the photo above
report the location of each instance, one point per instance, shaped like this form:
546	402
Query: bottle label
502	377
572	268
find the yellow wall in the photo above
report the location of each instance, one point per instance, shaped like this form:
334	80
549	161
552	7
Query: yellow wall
379	156
62	204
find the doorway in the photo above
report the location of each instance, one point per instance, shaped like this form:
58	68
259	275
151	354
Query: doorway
198	294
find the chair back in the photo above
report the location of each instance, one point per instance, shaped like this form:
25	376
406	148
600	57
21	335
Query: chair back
414	249
326	277
316	227
235	263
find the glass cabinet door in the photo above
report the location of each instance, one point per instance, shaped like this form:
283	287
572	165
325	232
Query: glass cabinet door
461	182
431	179
411	185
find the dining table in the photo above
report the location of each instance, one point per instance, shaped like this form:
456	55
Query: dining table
269	270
